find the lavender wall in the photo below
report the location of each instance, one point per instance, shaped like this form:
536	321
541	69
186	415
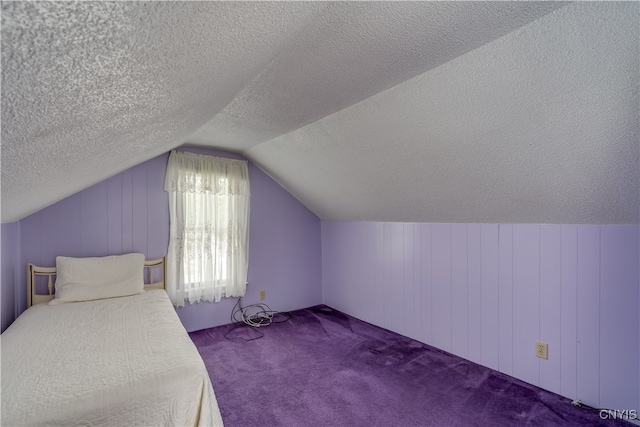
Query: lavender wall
10	267
129	213
487	292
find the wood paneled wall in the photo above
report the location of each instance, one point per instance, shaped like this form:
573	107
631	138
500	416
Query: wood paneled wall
126	213
130	213
487	292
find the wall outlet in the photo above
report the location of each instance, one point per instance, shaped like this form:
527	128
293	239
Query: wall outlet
263	295
542	349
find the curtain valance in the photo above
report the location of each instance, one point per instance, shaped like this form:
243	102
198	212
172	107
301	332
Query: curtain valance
196	173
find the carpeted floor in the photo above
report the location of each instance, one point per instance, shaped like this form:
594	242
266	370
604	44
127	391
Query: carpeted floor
324	368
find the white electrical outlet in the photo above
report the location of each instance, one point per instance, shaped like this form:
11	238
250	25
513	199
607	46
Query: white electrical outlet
263	295
542	350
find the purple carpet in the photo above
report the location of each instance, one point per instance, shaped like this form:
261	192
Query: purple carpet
325	368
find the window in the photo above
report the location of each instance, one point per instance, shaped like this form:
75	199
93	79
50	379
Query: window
209	216
198	243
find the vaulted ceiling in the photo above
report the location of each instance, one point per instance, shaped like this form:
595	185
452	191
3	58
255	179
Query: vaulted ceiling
392	111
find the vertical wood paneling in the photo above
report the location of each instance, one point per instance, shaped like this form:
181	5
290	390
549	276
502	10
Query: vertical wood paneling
474	292
157	208
511	285
505	303
408	279
490	295
568	316
588	357
484	292
335	275
93	220
396	299
619	355
417	280
378	268
356	285
353	282
127	211
342	260
30	237
139	188
441	286
340	286
369	274
49	236
30	253
109	217
526	301
343	268
69	226
425	312
459	295
328	279
349	281
114	215
386	274
551	304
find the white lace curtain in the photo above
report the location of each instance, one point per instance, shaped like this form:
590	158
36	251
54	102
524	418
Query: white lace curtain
209	232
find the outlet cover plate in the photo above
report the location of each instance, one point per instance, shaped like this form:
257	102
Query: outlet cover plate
542	350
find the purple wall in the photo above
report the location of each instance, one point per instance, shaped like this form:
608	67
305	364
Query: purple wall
487	292
129	213
10	271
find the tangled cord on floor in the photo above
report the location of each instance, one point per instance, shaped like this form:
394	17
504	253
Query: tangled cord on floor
253	316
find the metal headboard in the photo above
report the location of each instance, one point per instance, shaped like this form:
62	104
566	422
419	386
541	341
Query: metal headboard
34	271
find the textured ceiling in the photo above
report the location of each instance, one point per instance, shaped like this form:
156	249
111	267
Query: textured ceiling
92	88
352	51
539	126
396	111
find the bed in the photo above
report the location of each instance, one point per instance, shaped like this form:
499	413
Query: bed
123	360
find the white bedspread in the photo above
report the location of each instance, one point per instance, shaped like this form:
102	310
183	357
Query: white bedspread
119	361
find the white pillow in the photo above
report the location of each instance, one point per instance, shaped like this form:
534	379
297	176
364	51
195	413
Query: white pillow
87	279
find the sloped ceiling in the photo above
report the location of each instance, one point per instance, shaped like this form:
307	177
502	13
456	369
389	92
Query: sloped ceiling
394	111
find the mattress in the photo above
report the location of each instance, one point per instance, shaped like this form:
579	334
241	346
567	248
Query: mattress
117	361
